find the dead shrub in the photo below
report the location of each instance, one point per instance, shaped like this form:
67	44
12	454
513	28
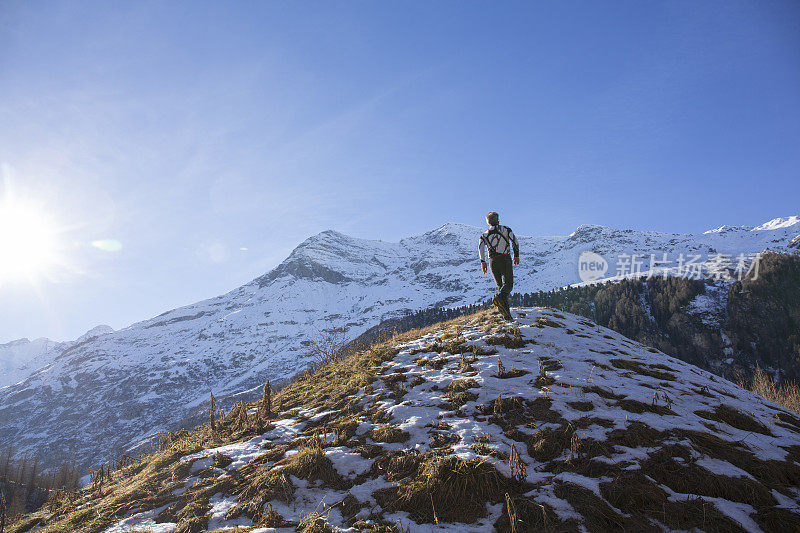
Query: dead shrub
329	346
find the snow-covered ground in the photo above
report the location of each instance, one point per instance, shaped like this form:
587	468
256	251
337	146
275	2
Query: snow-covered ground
600	386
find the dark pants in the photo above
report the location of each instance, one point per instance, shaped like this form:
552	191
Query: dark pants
503	273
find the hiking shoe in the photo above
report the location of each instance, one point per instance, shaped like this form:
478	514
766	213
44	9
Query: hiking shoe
498	302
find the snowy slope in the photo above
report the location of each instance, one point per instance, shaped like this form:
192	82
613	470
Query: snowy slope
99	396
22	357
610	435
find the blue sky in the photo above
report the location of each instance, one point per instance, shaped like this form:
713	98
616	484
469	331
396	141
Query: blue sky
189	130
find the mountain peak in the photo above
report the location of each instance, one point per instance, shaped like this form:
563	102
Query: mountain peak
453	227
96	332
586	232
778	223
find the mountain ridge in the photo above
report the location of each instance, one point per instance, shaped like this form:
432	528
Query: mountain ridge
152	374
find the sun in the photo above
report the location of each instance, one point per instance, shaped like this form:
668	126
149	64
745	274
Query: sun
28	242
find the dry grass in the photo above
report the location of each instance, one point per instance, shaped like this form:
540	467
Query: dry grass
686	477
399	465
637	494
313	522
650	370
543	322
446	489
581	406
509	341
598	515
460	385
530	516
311	463
734	418
457	399
548	444
636	435
388	434
603	393
787	395
637	407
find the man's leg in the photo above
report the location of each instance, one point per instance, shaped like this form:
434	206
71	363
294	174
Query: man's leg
497	272
501	271
508	281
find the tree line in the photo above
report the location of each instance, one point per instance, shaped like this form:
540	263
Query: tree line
25	486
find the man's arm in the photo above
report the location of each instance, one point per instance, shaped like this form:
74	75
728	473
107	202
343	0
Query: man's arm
515	244
482	253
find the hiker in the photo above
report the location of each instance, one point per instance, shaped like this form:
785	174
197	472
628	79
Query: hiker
500	240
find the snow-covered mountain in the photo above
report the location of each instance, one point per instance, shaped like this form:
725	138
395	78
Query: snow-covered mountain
22	357
100	395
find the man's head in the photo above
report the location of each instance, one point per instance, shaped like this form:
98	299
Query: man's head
492	218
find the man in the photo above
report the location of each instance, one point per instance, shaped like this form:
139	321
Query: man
500	240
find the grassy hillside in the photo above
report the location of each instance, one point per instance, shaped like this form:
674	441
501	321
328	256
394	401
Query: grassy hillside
551	423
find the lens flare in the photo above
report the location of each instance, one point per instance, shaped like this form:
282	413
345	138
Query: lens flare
108	245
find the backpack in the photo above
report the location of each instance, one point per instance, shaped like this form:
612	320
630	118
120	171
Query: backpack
495	231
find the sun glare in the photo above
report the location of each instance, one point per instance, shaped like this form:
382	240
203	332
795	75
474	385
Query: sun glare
28	242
